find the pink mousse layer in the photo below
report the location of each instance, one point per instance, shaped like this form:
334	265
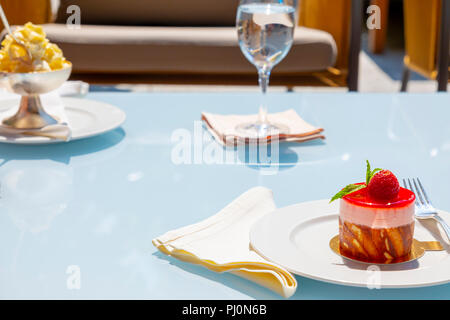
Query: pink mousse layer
375	217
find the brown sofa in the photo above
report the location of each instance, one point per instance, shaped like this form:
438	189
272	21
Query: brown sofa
179	37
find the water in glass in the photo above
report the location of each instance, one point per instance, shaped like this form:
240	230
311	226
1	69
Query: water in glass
265	32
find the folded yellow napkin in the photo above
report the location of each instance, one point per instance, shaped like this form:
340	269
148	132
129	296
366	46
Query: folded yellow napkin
52	103
221	243
223	127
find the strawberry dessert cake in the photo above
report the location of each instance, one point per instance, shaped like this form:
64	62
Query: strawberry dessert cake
376	219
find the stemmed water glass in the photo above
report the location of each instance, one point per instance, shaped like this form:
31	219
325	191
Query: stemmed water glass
265	31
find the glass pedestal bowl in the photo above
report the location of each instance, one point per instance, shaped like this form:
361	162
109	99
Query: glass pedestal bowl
31	113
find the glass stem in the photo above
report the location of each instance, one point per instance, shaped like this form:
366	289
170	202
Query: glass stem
264	75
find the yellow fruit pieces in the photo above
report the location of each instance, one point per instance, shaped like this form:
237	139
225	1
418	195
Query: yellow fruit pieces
45	56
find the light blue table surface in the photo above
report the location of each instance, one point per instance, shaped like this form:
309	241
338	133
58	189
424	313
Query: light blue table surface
96	204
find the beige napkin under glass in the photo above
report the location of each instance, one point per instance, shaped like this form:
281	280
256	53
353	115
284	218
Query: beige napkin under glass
223	127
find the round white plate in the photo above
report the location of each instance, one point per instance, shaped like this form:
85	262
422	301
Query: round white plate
87	118
297	238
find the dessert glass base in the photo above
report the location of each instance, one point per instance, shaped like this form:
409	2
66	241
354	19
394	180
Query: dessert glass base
31	115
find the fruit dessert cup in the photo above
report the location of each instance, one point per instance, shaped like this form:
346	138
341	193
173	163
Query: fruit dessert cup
376	219
30	65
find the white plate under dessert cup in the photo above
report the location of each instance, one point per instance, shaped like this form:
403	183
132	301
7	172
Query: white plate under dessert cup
297	237
87	118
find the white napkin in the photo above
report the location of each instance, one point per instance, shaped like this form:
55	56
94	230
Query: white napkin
221	243
223	127
73	89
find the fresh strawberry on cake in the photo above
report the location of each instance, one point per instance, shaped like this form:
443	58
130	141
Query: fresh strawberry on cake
376	219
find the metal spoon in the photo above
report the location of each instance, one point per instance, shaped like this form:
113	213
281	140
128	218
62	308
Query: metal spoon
19	42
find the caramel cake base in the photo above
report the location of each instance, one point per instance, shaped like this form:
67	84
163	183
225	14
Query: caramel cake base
375	245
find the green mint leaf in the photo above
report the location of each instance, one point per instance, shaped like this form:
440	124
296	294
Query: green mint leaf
347	190
368	172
